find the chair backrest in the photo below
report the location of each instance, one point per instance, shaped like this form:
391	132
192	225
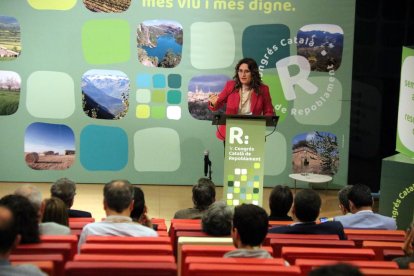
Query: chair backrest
279	222
278	244
81	220
234	261
45	266
126	249
179	227
72	240
375	232
292	253
45	248
391	254
379	246
128	240
90	268
241	270
78	224
124	258
386	272
57	260
359	238
306	265
270	236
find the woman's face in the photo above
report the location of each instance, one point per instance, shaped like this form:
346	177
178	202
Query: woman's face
245	76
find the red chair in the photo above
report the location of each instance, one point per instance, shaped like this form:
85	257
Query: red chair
119	268
359	238
290	254
45	266
386	272
375	232
57	260
273	223
45	248
278	244
124	258
235	261
179	227
72	240
127	240
378	247
241	270
306	265
270	236
391	254
78	224
81	220
411	266
126	249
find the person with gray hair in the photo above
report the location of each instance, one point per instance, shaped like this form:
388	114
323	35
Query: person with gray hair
217	219
33	194
65	189
118	203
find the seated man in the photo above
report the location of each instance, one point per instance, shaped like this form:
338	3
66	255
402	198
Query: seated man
360	204
305	211
280	202
65	189
216	221
33	194
343	199
9	239
250	223
118	203
204	194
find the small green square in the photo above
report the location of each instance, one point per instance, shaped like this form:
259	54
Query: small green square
106	41
174	96
142	111
230	177
237	190
230	183
243	190
158	112
256	178
158	96
255	196
174	81
256	190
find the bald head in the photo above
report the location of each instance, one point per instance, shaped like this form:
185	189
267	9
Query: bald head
32	193
118	195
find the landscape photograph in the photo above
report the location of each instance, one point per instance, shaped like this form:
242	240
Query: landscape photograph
315	152
49	146
160	43
10	83
10	41
105	94
200	88
108	6
321	45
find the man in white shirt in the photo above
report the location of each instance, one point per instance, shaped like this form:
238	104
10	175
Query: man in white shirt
360	205
118	203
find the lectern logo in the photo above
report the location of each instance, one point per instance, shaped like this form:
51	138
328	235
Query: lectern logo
236	135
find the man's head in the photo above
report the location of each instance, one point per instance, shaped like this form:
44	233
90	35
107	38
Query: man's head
217	219
250	225
118	197
9	237
280	200
360	197
307	205
204	193
65	189
33	194
343	199
336	270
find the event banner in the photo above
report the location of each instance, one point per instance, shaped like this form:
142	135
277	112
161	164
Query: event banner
405	127
95	90
244	161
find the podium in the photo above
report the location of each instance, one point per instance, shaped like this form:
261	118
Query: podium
244	157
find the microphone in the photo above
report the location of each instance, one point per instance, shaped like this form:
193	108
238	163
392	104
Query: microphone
207	164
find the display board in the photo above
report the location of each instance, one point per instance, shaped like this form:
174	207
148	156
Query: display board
95	90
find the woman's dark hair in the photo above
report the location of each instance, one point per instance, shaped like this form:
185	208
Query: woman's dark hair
254	70
55	211
25	216
139	204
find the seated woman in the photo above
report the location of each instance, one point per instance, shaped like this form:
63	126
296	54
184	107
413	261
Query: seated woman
55	211
408	247
139	212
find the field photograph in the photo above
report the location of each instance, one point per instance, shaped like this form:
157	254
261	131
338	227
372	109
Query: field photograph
10	41
200	88
105	94
10	83
160	43
49	146
108	6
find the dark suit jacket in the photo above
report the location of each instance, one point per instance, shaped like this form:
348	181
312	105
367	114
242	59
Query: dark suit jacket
329	227
79	214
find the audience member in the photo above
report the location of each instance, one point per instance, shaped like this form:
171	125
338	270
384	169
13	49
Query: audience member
360	205
65	189
33	194
55	211
139	211
343	199
204	194
9	239
25	217
340	269
408	247
216	221
250	224
305	211
280	202
118	203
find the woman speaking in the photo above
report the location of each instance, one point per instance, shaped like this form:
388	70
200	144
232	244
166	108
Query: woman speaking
246	94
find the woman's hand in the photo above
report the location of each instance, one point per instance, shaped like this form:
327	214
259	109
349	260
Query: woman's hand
213	99
408	243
